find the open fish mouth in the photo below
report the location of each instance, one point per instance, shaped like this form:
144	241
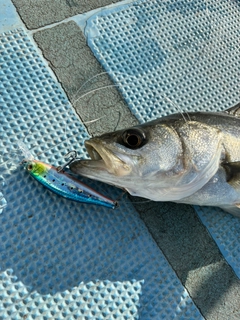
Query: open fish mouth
104	159
92	151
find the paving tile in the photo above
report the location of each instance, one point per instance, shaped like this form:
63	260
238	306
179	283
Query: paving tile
65	48
36	14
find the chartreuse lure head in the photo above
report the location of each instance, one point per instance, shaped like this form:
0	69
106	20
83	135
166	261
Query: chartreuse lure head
37	169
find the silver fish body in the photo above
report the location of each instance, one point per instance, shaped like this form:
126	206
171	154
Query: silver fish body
195	161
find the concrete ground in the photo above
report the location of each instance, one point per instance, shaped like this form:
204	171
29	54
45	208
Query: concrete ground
176	228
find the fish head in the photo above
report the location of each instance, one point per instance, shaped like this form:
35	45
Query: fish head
131	157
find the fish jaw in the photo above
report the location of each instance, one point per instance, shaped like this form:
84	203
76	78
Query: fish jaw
105	159
110	163
96	170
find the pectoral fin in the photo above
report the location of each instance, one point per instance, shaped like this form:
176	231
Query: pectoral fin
233	178
233	173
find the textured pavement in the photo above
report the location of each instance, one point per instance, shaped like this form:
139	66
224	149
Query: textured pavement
194	256
36	14
176	228
65	48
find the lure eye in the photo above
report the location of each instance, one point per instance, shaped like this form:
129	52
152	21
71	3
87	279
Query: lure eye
30	167
133	138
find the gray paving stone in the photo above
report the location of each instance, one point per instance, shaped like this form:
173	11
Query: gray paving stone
65	48
194	256
36	14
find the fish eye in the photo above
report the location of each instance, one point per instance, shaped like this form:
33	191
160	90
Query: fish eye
133	138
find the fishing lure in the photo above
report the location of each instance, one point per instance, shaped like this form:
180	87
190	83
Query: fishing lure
63	184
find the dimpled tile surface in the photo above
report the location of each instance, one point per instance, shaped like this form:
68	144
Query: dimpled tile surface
53	250
93	300
182	55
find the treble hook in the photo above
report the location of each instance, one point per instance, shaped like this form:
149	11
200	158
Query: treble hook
72	155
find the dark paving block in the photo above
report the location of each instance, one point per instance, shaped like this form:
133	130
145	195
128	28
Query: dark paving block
64	46
36	14
194	256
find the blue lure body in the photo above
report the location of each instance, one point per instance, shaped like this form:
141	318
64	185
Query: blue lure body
65	185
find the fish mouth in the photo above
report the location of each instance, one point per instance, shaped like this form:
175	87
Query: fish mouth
104	159
93	151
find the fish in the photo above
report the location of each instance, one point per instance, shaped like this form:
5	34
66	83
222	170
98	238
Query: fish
193	159
64	184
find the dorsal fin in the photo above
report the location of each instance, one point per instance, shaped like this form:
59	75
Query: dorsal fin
234	111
